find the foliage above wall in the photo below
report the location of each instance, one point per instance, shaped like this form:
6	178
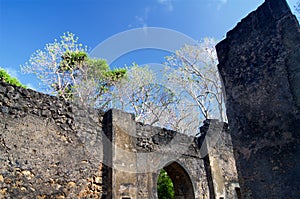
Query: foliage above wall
179	97
66	70
5	77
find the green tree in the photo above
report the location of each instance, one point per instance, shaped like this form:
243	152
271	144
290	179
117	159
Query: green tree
5	77
65	69
87	80
165	189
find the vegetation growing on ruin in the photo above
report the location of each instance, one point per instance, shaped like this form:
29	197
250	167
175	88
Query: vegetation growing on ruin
179	98
5	77
66	70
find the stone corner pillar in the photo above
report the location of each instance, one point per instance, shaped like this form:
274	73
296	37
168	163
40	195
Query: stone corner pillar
259	62
121	131
219	161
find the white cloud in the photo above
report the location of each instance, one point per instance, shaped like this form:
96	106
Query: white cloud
141	21
29	85
167	3
223	1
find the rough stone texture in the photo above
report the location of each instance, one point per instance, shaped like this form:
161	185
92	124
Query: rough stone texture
50	148
45	152
259	62
220	160
140	151
178	154
124	165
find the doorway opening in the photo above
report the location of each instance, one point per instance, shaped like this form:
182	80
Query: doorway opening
165	188
176	181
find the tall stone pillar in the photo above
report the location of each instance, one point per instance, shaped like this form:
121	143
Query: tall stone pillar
121	131
219	159
259	62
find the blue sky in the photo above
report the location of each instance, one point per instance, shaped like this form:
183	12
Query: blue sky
27	25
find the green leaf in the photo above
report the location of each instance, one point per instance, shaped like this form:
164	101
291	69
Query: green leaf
165	189
5	77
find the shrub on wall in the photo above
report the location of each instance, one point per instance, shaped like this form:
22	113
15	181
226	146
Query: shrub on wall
5	77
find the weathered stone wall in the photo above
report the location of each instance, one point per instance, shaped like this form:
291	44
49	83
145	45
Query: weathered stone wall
123	154
219	161
48	147
166	147
259	62
140	151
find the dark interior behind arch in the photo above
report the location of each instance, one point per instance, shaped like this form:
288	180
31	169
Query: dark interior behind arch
183	187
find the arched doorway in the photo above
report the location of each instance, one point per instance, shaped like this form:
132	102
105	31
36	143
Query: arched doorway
165	188
182	184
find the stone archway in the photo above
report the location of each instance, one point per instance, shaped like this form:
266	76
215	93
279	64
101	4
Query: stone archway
183	186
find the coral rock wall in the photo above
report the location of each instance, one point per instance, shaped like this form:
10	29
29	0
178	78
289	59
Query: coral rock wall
259	62
50	148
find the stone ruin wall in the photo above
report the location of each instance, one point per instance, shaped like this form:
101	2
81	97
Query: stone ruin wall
155	148
50	148
259	62
220	160
44	151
